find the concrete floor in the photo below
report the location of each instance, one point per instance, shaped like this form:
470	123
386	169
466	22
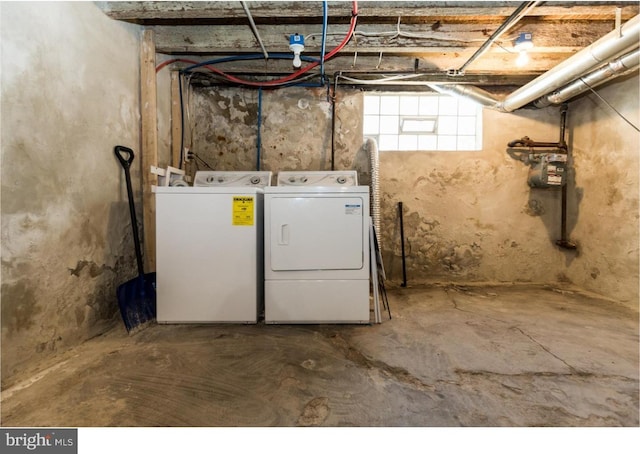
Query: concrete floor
450	356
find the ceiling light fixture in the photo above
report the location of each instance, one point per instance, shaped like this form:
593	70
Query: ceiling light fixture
524	42
296	45
523	59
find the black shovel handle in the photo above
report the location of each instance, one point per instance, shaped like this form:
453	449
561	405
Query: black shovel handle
126	162
119	151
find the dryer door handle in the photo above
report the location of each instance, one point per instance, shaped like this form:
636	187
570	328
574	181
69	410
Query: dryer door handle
284	235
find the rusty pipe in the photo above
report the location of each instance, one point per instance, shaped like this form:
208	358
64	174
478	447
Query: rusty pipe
528	143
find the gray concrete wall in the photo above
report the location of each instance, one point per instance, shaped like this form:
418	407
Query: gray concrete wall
295	132
604	206
70	93
468	216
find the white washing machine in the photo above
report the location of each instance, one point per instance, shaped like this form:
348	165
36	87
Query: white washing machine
317	248
209	249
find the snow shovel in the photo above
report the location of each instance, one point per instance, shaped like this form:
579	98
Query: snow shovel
137	297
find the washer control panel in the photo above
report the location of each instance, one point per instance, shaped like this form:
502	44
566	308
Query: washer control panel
222	178
318	178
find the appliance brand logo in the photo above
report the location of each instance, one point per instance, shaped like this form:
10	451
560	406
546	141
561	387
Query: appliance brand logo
50	441
353	209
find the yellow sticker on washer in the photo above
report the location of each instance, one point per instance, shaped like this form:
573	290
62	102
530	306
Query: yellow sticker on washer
242	210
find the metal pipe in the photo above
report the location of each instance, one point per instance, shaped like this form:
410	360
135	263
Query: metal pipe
404	266
564	242
528	143
626	63
600	51
254	29
336	76
482	97
518	14
563	126
568	72
333	130
259	133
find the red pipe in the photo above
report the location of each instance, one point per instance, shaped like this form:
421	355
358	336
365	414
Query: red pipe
354	17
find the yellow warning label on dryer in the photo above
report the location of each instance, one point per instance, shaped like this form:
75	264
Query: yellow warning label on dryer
242	210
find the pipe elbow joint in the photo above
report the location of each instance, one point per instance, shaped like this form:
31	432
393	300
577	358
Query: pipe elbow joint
519	142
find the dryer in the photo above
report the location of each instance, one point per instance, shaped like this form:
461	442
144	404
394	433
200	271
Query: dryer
209	249
317	249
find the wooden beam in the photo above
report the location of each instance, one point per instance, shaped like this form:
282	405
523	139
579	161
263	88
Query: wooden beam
148	101
176	120
263	11
416	39
497	62
480	79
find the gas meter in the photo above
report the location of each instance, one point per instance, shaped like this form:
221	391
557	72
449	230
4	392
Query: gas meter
547	170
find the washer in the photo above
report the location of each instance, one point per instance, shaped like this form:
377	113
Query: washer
317	249
209	249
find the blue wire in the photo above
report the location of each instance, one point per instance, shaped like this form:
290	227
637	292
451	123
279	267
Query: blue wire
259	138
279	56
325	13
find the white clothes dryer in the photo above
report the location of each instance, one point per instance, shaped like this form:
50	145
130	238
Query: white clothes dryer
317	249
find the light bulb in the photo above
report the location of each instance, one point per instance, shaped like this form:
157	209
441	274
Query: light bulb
523	59
296	45
296	60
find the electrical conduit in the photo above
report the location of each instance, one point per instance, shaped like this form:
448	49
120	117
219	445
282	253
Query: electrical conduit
325	14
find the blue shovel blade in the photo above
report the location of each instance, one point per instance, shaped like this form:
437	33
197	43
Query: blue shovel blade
137	300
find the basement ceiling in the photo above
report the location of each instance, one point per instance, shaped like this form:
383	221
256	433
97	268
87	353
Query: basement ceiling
427	36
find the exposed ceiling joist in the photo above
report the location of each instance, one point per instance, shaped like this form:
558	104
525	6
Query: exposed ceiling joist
373	39
390	35
157	12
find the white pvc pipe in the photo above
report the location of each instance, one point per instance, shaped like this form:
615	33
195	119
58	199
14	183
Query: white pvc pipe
255	29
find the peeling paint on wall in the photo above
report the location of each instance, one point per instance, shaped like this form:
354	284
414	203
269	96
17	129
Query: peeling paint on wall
65	221
295	130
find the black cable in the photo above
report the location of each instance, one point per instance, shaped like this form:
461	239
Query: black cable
291	83
181	121
612	108
195	155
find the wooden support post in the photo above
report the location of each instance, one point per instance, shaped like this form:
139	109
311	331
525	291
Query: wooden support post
149	153
176	120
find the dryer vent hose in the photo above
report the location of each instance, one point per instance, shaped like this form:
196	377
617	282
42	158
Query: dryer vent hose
374	194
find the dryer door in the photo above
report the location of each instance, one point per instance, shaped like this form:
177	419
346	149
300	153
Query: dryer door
317	233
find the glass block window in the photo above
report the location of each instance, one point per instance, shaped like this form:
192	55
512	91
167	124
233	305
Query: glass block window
422	122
